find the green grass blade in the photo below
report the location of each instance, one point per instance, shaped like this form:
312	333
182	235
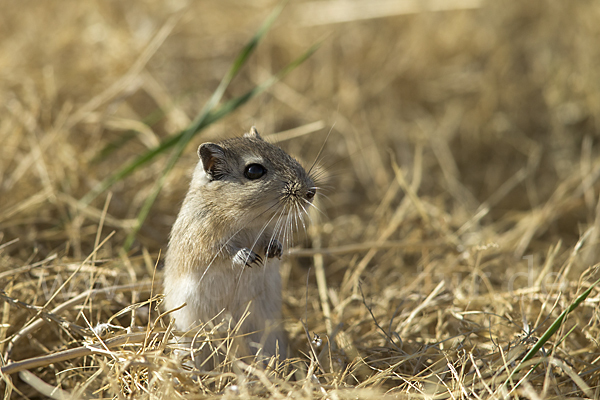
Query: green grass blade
114	146
145	210
551	331
242	58
198	123
212	117
233	104
558	322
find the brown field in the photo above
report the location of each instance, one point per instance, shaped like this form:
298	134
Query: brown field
460	216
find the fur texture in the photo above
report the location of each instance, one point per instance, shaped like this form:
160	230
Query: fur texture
224	247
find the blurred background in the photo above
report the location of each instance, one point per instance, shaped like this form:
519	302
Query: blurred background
486	90
486	113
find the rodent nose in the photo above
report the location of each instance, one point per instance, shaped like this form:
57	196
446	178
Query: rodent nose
311	193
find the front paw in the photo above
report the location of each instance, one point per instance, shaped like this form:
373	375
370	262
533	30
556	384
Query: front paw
274	249
246	257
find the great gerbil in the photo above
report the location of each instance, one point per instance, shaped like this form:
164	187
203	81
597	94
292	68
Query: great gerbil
224	249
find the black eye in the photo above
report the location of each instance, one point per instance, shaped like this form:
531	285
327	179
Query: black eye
254	171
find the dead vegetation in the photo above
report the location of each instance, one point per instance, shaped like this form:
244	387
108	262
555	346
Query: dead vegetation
460	219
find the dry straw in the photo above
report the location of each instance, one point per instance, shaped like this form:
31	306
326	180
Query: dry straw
455	251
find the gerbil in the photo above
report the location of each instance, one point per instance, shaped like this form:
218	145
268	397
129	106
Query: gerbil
224	249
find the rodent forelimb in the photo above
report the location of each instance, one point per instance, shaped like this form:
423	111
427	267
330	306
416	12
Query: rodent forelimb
243	256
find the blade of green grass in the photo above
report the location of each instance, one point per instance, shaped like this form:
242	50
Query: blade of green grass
210	117
548	334
200	120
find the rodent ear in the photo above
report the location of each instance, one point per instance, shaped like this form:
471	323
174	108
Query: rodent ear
211	154
253	134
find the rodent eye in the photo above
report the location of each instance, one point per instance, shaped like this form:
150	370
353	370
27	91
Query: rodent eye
254	171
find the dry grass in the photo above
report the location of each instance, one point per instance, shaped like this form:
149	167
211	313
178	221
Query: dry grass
462	213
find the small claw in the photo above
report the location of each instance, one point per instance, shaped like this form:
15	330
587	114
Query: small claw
247	257
257	259
274	249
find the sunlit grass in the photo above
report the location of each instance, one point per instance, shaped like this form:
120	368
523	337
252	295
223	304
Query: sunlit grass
456	252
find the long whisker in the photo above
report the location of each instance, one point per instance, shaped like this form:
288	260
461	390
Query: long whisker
277	228
312	204
321	150
305	212
289	228
278	215
263	229
296	218
229	240
285	228
320	173
322	187
239	279
320	194
279	225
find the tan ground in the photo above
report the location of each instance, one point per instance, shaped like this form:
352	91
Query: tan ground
461	215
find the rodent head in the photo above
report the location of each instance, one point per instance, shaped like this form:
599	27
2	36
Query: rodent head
249	182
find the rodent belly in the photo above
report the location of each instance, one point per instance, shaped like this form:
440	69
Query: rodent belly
223	288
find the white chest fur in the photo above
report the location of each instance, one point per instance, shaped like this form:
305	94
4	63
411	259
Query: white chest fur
226	290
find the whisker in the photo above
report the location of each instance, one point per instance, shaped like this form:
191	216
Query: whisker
324	196
315	176
278	226
239	277
301	214
321	187
312	204
288	227
229	240
320	150
263	230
